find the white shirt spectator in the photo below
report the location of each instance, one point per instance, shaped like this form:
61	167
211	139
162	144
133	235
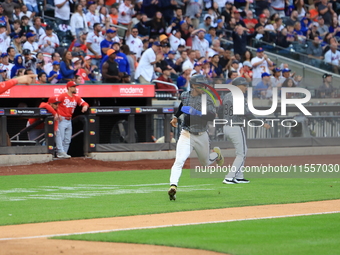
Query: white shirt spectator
145	68
95	42
277	82
174	42
5	42
32	47
39	32
33	3
125	14
258	70
116	39
332	57
48	68
91	19
278	5
188	63
50	48
135	44
201	45
64	12
78	22
8	69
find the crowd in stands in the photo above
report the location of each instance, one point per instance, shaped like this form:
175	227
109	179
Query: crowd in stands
124	41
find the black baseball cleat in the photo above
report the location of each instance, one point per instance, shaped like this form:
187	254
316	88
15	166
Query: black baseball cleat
242	181
172	192
230	181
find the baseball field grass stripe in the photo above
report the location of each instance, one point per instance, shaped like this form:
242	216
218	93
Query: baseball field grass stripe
60	197
165	226
312	235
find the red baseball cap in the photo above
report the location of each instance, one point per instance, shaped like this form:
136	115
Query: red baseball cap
71	84
263	16
53	100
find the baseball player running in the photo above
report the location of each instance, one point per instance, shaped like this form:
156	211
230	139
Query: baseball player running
194	134
68	102
235	132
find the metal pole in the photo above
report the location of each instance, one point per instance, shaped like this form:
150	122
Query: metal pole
131	128
3	133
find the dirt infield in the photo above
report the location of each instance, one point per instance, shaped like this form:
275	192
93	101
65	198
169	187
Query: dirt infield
32	238
79	165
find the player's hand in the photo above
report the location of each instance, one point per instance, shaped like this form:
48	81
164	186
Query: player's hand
191	111
266	126
173	122
85	107
26	79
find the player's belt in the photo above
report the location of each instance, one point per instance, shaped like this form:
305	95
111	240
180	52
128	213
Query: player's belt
67	118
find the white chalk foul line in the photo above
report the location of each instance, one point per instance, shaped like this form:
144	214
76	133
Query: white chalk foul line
164	226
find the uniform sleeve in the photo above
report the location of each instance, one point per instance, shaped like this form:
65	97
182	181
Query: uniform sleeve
5	85
49	108
81	102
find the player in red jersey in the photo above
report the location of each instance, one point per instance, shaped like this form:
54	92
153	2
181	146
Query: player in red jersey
68	102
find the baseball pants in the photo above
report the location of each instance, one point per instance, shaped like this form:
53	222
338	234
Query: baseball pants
64	133
186	143
236	135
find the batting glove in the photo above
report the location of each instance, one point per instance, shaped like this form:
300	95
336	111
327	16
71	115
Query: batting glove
191	111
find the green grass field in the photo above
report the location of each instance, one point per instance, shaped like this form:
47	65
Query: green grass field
55	197
317	234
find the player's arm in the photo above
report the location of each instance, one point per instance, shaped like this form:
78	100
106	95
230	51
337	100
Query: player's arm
174	120
25	79
48	108
105	72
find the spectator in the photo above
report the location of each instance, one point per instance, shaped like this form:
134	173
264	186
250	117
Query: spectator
190	62
11	55
93	42
227	12
78	22
326	90
277	80
62	11
314	52
168	89
261	89
135	44
25	28
215	48
334	27
81	41
110	70
247	56
250	22
261	64
32	6
176	40
322	28
6	65
55	57
125	13
3	75
238	20
114	15
170	61
92	17
25	12
261	21
298	32
305	25
198	41
300	7
30	44
8	7
224	61
234	65
278	6
246	71
157	25
104	16
286	74
37	28
206	24
54	75
143	29
145	69
67	69
240	40
333	57
16	13
49	42
131	57
15	29
313	31
326	11
211	35
293	18
107	42
215	68
183	80
289	83
177	19
83	5
51	106
197	69
193	10
4	38
231	76
121	59
42	78
18	64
